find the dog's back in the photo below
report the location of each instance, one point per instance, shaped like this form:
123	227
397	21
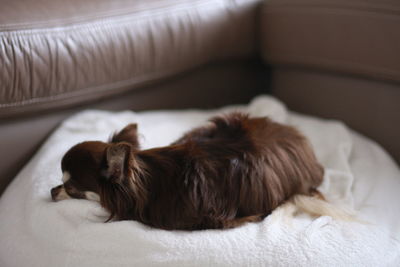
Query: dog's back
238	169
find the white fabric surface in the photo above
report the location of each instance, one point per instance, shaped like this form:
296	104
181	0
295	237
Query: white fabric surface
38	232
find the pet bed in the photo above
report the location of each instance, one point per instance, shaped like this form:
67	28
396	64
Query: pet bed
38	232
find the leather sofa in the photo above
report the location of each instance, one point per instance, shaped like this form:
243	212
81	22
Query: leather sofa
334	59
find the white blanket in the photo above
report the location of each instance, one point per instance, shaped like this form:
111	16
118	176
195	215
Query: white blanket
34	231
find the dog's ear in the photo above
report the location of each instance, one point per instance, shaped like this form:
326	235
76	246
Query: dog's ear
128	134
117	161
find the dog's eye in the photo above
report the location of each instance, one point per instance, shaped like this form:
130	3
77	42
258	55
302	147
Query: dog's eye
73	185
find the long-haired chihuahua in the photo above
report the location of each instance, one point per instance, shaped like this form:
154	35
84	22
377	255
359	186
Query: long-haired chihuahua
234	170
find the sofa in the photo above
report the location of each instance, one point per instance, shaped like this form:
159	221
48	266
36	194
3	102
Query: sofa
333	59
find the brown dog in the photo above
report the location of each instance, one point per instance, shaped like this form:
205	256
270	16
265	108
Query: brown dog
235	170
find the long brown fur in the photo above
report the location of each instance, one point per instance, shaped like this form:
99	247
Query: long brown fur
234	170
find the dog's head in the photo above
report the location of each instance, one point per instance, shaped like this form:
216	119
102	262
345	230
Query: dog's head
89	165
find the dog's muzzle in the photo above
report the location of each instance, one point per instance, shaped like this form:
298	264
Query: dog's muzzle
59	193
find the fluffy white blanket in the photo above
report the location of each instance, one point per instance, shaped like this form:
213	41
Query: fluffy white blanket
38	232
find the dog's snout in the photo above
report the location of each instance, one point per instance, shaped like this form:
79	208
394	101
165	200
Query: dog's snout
55	191
59	193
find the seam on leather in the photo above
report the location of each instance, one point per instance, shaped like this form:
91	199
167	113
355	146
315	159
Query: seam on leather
120	20
131	16
100	15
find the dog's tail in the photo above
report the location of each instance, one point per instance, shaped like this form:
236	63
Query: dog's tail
316	205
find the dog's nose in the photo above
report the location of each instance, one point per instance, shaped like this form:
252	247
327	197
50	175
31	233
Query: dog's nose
55	191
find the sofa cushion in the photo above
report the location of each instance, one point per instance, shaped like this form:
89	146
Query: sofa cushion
55	53
357	37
